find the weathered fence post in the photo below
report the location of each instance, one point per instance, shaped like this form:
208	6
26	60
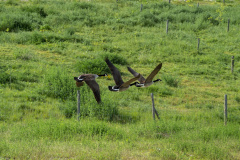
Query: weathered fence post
225	109
141	7
154	111
197	4
228	25
232	66
167	26
169	1
78	104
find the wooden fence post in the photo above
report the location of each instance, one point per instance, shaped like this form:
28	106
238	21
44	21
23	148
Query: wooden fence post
232	66
141	7
78	104
225	109
169	1
228	25
167	26
154	111
197	4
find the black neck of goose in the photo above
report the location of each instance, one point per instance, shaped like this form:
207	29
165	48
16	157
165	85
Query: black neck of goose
134	83
101	75
113	88
157	80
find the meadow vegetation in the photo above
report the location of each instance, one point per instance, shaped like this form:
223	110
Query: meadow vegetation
44	44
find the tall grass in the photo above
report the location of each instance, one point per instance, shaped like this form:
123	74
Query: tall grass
44	44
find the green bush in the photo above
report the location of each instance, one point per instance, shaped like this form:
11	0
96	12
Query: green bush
47	37
6	78
170	80
237	99
59	84
111	49
94	66
82	5
69	108
115	59
35	9
106	110
148	19
15	22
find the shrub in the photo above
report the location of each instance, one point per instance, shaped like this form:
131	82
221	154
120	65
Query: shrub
237	99
148	19
106	110
115	59
170	80
6	78
35	9
83	5
50	37
160	5
111	49
11	2
94	66
59	84
162	90
25	54
70	31
45	28
69	108
15	22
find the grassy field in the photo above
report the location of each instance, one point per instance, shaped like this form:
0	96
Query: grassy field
44	44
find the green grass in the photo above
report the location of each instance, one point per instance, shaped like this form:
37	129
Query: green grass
44	44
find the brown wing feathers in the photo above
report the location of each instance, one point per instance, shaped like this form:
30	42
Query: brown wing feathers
135	74
115	72
154	72
95	88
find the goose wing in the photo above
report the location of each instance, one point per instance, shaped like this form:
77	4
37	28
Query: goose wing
154	72
135	74
126	84
95	88
115	72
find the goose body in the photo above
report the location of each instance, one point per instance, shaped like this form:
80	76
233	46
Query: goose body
91	82
120	84
149	80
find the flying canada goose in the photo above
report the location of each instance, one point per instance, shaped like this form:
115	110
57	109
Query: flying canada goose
120	85
90	80
146	82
